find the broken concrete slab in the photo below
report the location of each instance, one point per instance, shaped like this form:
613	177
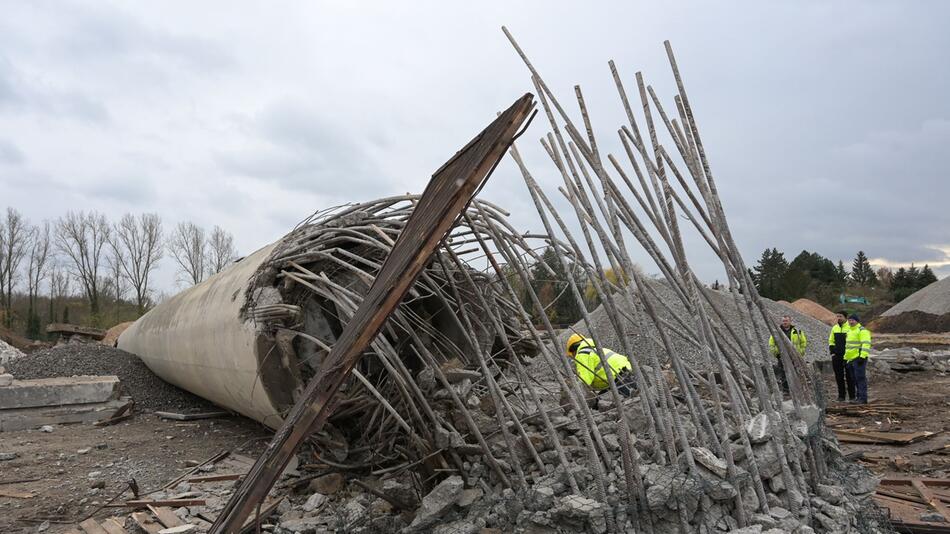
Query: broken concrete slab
28	418
437	503
759	428
710	461
59	391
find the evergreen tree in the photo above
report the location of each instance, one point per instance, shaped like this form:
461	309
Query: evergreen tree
927	277
841	275
770	273
861	271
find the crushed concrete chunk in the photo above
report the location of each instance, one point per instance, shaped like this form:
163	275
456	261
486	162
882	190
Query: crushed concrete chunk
437	503
710	461
759	429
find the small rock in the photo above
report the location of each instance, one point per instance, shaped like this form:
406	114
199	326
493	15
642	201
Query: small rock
181	529
190	463
46	428
315	501
710	461
832	494
44	526
437	503
469	496
6	379
327	484
84	451
759	429
94	474
5	456
99	484
932	517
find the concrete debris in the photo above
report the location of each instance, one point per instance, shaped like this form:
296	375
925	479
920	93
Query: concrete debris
909	359
436	503
8	353
7	456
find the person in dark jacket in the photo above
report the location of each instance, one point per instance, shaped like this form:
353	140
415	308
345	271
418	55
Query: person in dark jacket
836	347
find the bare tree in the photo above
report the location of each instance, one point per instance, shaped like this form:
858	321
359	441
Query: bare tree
138	242
81	237
16	234
116	286
187	245
220	250
36	271
59	280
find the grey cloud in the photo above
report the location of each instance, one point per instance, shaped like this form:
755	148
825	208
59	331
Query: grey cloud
301	148
98	32
20	96
10	154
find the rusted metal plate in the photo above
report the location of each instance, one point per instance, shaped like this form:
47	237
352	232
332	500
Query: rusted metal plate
448	193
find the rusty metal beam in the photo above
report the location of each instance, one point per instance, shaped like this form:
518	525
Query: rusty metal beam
448	193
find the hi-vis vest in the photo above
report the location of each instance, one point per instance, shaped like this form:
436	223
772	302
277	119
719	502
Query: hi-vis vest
858	343
590	368
798	340
838	337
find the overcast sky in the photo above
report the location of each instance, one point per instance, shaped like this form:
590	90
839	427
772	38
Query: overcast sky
828	123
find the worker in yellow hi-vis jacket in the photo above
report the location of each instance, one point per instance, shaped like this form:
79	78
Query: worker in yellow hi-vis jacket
590	368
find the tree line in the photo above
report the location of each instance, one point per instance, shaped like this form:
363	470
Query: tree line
83	252
812	275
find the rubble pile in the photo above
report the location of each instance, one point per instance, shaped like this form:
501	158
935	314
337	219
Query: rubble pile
8	353
640	340
909	359
449	426
149	392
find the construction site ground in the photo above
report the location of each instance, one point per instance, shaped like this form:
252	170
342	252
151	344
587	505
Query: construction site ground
74	470
63	466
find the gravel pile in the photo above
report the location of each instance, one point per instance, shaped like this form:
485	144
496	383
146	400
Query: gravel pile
639	343
933	299
150	392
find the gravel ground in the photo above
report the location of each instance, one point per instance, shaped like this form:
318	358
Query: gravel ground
149	391
816	331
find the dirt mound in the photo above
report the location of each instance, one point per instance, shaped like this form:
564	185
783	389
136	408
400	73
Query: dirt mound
933	299
813	309
75	359
112	334
912	322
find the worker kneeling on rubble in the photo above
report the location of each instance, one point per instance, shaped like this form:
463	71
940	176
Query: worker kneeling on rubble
591	370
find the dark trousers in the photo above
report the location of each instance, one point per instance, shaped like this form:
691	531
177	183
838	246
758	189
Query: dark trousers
845	386
857	372
779	370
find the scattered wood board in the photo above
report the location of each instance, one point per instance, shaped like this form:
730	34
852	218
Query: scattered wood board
91	526
146	522
907	498
16	494
266	509
190	416
167	502
215	478
881	438
166	516
113	526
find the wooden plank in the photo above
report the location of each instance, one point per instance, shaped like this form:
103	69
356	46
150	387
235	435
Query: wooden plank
72	531
113	526
190	416
450	190
881	438
146	522
166	502
166	516
91	526
16	494
212	460
931	499
216	478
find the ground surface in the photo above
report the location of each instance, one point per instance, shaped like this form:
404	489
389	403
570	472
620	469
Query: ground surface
908	402
146	448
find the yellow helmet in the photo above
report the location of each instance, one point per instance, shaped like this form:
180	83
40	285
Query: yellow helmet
572	342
